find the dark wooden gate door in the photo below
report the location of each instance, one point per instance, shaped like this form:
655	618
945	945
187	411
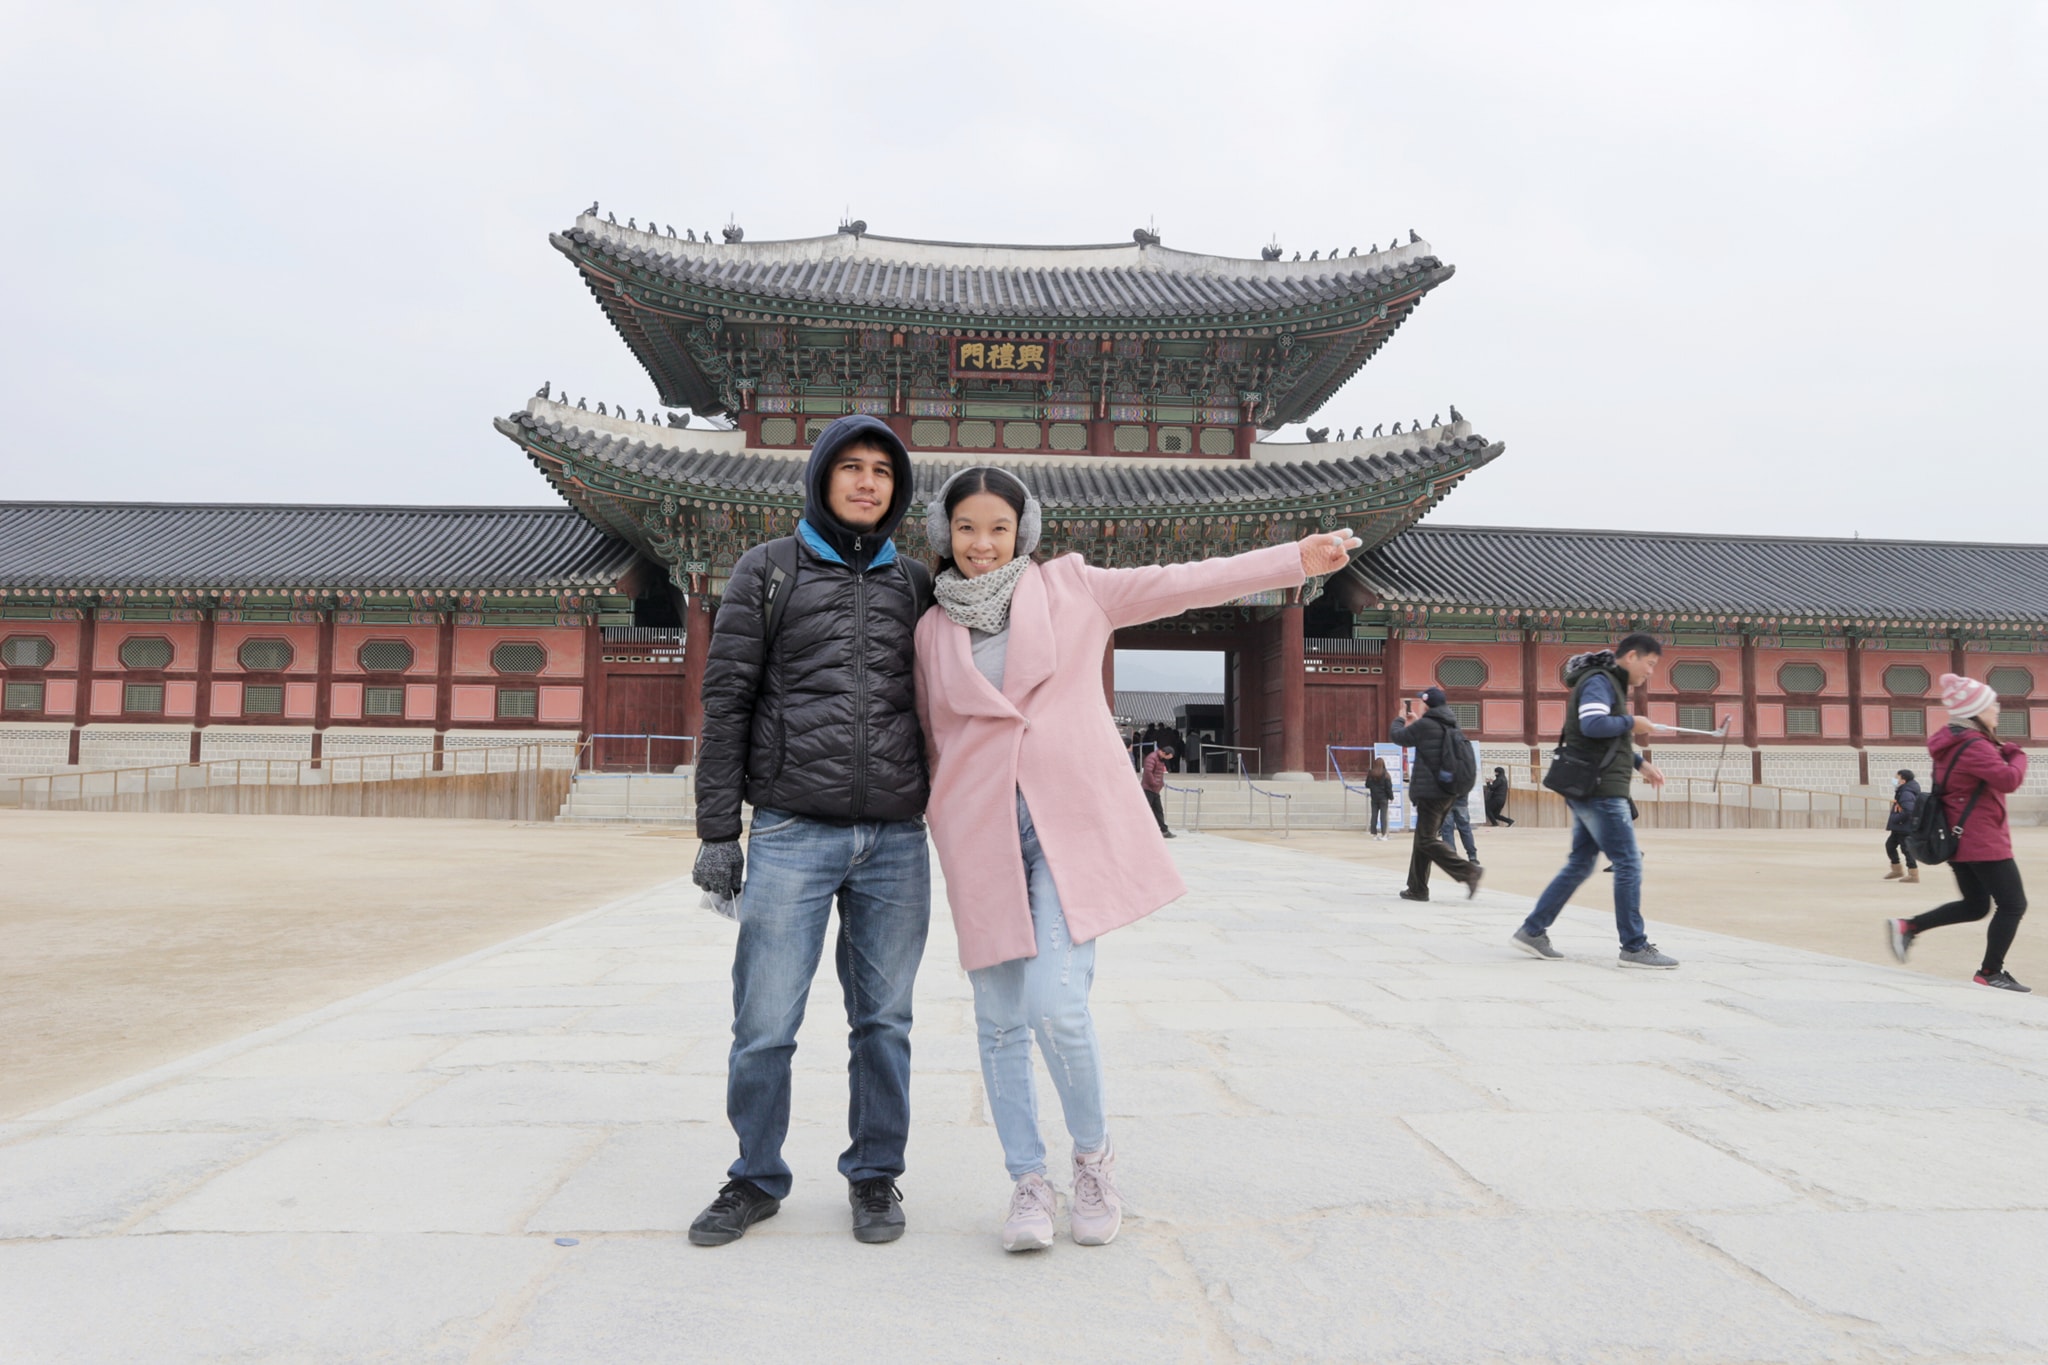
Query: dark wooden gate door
1343	713
640	705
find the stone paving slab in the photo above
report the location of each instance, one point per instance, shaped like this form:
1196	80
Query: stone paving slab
1350	1127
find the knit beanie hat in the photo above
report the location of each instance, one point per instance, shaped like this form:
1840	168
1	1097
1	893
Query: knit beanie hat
1964	697
1434	696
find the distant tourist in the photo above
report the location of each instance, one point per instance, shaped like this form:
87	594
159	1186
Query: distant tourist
1905	800
1972	787
1154	782
1497	798
809	716
1600	733
1445	769
1379	785
1459	818
1044	843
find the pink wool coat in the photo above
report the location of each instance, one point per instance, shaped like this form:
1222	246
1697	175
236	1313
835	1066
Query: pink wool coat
1050	734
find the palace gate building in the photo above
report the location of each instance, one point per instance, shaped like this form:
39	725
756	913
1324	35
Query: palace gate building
1130	385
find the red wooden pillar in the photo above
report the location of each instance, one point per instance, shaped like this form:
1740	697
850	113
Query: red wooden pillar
1856	706
202	708
1530	692
696	649
444	684
88	642
593	676
1293	690
1756	753
323	682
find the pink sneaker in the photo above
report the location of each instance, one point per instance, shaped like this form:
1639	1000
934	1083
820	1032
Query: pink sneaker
1029	1226
1097	1211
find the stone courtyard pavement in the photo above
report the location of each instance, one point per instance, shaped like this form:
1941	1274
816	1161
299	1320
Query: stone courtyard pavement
1351	1128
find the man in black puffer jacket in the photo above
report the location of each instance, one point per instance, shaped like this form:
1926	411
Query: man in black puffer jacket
815	723
1432	787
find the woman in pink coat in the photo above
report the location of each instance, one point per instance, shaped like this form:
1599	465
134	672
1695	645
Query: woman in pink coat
1044	836
1973	773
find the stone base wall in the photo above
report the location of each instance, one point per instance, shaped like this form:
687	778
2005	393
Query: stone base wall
462	750
29	747
133	746
255	741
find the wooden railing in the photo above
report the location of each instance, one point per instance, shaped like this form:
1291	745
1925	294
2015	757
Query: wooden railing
499	782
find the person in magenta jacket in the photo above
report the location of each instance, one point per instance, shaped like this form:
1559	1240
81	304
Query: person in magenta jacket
1971	766
1045	841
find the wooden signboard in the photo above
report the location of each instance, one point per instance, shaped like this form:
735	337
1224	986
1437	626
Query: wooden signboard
1027	359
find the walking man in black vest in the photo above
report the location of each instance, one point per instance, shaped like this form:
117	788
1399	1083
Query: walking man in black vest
1598	726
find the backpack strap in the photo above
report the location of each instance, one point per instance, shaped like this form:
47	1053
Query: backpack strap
1942	786
782	562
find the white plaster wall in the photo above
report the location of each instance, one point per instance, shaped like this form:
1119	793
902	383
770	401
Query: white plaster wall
28	746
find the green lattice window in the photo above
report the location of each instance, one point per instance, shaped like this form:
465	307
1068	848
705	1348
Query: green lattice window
2013	724
1908	722
977	435
1022	436
778	431
1218	441
518	657
27	651
518	703
23	696
143	699
1459	672
2009	680
263	699
145	651
383	701
815	427
385	656
1906	680
1696	717
1176	441
1071	437
1131	440
1802	720
1802	678
1467	713
925	431
265	656
1695	675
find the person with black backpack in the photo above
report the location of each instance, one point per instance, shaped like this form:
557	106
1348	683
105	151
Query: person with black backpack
810	716
1446	767
1593	768
1962	822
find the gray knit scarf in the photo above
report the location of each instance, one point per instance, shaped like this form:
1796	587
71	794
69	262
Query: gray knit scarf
983	602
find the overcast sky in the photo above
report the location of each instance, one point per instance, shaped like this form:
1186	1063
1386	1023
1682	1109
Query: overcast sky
1768	268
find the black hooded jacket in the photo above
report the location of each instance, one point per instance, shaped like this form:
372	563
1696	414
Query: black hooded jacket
822	720
1428	735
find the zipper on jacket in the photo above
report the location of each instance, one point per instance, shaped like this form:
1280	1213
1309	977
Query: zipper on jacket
860	686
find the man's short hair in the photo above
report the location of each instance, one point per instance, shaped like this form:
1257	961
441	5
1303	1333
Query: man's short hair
1639	642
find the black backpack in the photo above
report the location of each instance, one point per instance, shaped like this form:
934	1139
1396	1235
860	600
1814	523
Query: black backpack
1464	761
1929	836
782	562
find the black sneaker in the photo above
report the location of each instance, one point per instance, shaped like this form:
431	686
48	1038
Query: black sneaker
877	1209
740	1205
2003	981
1898	933
1472	882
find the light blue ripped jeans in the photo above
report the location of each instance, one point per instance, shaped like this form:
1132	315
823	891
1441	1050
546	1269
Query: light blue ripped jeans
1046	995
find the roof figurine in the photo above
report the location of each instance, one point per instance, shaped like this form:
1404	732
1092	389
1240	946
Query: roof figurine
734	232
1270	251
542	391
591	212
1379	428
1456	416
1412	237
1144	237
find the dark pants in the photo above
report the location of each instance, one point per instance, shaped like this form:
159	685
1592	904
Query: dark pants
1895	844
1982	885
1158	809
796	868
1430	847
1460	818
1496	813
1379	817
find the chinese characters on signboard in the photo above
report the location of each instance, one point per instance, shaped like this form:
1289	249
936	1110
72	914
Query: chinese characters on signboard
1002	359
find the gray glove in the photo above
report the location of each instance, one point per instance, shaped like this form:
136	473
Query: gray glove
721	868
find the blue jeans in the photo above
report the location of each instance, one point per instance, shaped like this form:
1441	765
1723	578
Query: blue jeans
880	875
1460	818
1046	995
1601	825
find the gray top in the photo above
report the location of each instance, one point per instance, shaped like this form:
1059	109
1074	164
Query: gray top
990	650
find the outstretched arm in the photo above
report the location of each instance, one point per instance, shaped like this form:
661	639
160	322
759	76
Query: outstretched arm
1131	597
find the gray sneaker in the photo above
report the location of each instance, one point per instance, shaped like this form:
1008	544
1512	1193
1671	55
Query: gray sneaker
1648	956
1536	945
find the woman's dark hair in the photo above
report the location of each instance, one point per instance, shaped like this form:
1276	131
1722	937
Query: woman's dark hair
1906	773
1379	767
980	479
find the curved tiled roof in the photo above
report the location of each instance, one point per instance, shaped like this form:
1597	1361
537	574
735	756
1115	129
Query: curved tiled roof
168	547
1079	483
1734	576
1093	286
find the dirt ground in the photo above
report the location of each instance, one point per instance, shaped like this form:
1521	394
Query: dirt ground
127	941
1817	889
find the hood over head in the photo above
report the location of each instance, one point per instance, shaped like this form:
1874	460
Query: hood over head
1579	663
857	548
